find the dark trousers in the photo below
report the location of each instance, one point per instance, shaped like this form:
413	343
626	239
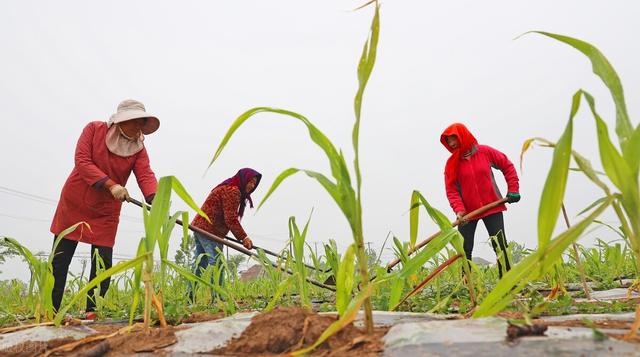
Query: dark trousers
61	260
495	227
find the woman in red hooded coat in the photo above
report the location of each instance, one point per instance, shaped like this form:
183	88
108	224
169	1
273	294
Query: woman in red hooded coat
106	155
470	185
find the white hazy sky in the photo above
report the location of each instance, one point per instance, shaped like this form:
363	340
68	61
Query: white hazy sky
198	64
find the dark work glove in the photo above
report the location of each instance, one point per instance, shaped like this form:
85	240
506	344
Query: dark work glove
513	197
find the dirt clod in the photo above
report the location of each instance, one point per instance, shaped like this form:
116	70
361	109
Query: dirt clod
515	331
202	317
34	348
285	330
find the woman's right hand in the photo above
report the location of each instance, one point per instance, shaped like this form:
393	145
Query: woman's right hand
119	192
247	243
460	217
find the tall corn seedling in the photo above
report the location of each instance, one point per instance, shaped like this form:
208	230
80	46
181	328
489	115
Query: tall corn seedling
41	274
620	164
341	189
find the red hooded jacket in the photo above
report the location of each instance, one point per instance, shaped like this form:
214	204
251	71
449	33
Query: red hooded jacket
469	180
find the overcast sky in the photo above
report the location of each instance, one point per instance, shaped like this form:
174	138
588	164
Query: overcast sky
197	65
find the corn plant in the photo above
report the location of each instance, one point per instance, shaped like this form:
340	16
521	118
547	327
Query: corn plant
344	280
448	235
332	258
621	166
298	240
347	196
41	274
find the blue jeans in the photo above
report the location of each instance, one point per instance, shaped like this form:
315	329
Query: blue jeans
210	248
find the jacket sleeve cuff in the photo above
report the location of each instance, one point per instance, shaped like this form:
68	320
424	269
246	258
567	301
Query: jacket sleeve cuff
100	183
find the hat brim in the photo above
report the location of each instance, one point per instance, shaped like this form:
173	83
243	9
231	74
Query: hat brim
150	126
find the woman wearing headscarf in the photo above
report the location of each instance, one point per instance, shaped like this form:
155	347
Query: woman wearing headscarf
106	155
225	206
470	185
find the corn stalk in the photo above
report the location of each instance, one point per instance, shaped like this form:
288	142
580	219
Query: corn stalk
341	190
620	165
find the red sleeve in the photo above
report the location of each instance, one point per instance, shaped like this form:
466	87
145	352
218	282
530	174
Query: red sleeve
453	195
230	204
145	177
87	169
500	161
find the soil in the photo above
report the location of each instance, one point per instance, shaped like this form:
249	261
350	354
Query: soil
129	343
106	328
136	341
202	317
34	348
516	331
600	324
287	329
512	315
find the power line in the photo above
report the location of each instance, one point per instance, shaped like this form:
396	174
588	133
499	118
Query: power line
25	218
41	199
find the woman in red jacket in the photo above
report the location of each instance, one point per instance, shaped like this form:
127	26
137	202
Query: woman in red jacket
106	154
470	185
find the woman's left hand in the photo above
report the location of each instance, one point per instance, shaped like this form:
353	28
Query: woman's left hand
513	197
247	243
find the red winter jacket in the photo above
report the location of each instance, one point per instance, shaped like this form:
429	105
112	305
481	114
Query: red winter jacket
221	206
475	185
83	196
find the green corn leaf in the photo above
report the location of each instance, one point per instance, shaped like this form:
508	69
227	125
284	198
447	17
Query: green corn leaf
135	284
332	256
64	234
194	278
346	201
397	287
633	148
584	165
556	182
159	212
344	280
427	280
414	218
365	67
401	250
298	239
603	69
592	205
534	266
438	217
167	228
283	175
179	189
427	252
185	229
282	287
613	163
617	169
316	135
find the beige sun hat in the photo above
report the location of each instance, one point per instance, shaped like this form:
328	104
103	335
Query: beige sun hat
132	109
